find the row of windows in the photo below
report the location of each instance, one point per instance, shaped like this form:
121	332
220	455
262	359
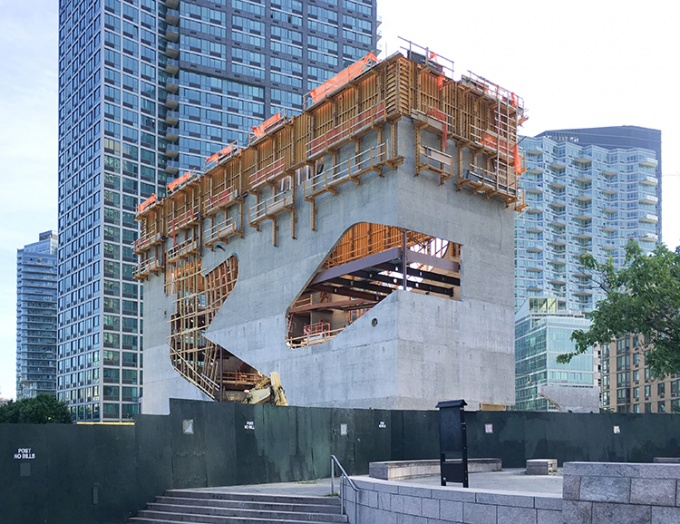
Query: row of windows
205	14
217	31
200	45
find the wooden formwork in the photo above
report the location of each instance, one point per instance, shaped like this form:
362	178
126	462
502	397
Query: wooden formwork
472	112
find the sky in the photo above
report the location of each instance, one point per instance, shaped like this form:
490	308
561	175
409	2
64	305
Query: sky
576	64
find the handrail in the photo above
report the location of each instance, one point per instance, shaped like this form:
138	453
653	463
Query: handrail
344	476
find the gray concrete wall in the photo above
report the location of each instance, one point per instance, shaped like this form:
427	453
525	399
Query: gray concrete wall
423	348
595	492
395	503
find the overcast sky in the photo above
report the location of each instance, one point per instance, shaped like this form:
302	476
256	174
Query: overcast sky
577	63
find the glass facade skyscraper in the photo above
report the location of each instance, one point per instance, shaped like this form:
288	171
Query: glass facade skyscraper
587	190
37	317
543	328
583	198
150	89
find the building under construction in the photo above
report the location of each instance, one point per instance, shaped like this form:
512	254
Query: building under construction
363	249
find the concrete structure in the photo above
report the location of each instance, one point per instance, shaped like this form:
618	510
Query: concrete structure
541	466
586	191
37	317
362	250
149	89
572	399
410	469
543	327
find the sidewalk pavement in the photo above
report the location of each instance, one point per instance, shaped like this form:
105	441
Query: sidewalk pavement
513	480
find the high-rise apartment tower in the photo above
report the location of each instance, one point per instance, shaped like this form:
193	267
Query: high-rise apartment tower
37	317
149	90
587	190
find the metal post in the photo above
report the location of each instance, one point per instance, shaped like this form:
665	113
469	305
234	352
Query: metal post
342	495
332	476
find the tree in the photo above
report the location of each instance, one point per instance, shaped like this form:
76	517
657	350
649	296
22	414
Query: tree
641	298
43	409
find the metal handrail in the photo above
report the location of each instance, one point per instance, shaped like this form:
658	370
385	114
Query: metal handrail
344	476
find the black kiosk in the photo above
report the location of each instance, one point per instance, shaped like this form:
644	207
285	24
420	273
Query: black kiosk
453	442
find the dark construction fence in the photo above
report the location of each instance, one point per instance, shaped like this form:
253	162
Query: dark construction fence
104	473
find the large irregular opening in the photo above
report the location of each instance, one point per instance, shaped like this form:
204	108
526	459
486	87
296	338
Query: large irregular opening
197	299
370	262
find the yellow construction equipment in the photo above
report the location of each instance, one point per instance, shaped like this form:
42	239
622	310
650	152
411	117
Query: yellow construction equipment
268	391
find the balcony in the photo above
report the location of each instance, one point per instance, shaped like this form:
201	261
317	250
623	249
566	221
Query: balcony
583	176
649	162
649	237
172	166
533	226
172	17
171	32
583	291
172	49
171	66
648	217
171	84
557	240
648	199
172	151
532	187
172	118
584	232
172	134
650	181
172	101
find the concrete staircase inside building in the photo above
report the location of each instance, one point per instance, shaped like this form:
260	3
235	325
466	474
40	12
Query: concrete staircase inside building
212	507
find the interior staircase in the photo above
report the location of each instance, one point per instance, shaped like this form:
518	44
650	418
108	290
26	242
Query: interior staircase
212	507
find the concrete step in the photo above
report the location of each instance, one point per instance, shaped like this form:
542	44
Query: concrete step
288	506
256	497
224	520
219	507
283	512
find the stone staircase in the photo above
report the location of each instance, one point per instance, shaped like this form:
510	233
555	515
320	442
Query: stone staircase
212	507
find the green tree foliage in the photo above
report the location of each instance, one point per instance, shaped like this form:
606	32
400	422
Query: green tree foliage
641	298
43	409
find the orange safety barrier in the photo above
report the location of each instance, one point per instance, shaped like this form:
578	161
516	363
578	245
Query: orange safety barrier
218	200
343	77
221	153
259	131
149	201
320	328
519	168
172	186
